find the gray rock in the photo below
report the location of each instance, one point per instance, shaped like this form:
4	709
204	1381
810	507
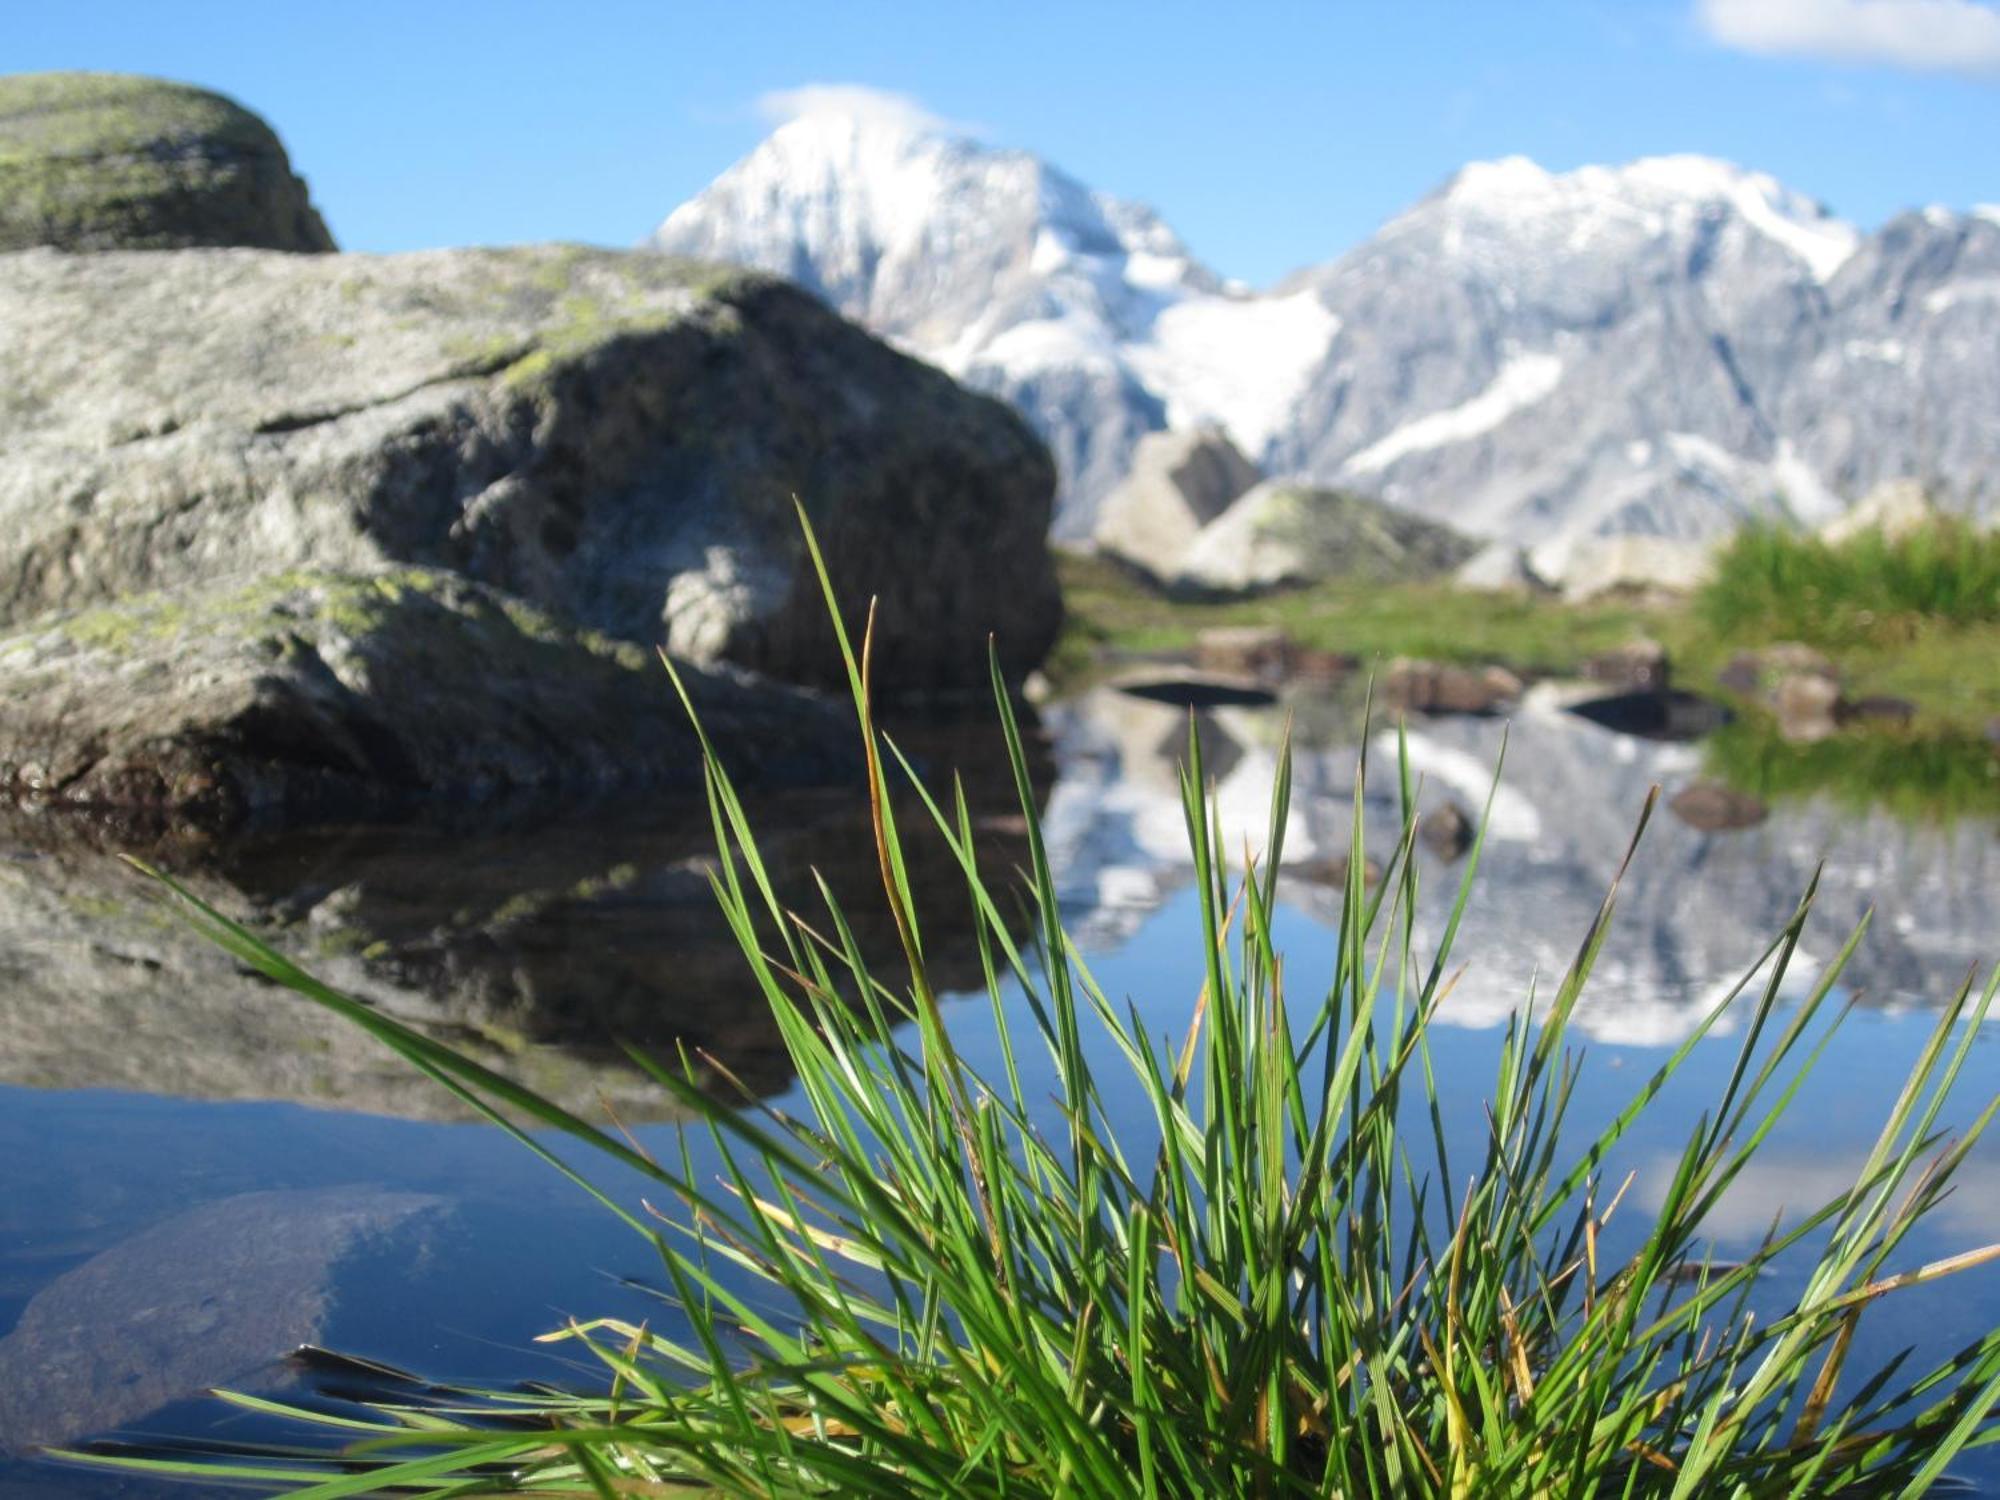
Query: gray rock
1753	673
107	161
1284	534
1711	807
1179	483
314	695
1447	831
1640	665
1429	687
1895	510
208	1297
1642	565
616	437
1264	652
1500	568
1806	704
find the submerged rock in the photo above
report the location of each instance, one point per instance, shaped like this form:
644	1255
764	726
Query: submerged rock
618	438
107	161
205	1298
1178	483
1711	807
313	695
1283	534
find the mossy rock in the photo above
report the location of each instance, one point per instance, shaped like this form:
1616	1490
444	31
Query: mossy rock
109	161
314	695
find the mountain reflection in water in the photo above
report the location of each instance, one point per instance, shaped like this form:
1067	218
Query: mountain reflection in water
544	947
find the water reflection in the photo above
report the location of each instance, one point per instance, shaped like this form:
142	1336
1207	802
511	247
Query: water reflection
539	948
1694	913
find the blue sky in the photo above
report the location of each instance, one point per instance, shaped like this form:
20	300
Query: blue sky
1271	135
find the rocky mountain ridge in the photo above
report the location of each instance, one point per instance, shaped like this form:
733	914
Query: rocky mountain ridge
1668	347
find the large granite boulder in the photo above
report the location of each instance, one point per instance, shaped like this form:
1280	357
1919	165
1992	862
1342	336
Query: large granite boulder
618	437
105	161
1282	534
1178	483
314	695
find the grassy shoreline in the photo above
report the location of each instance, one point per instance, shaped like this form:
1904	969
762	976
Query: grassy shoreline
1949	671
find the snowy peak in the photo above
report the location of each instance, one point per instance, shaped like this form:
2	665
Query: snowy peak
1663	347
920	231
1654	198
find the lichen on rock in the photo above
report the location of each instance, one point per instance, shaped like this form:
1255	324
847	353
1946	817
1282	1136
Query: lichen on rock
109	161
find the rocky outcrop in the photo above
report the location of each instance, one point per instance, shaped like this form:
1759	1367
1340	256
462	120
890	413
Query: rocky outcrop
311	695
1283	534
1500	568
105	161
617	438
1647	566
1179	483
1893	510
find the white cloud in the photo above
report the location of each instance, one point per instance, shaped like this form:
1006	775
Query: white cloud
1930	36
852	101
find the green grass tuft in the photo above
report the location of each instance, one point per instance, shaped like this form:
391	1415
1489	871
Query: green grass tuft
1272	1278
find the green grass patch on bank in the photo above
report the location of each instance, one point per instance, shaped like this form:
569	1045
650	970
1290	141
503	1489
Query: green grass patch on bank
1948	667
1273	1276
1776	584
1109	608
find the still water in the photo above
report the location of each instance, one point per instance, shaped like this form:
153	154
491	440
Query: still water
199	1173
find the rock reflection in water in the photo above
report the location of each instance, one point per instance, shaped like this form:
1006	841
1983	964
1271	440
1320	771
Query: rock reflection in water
1694	914
205	1298
540	949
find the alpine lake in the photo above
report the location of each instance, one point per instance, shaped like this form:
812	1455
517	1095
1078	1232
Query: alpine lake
206	1174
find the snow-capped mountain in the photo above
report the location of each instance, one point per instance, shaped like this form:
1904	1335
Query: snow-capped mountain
1664	347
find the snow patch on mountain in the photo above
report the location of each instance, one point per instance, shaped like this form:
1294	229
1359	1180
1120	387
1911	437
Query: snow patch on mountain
1985	289
1234	362
1522	381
